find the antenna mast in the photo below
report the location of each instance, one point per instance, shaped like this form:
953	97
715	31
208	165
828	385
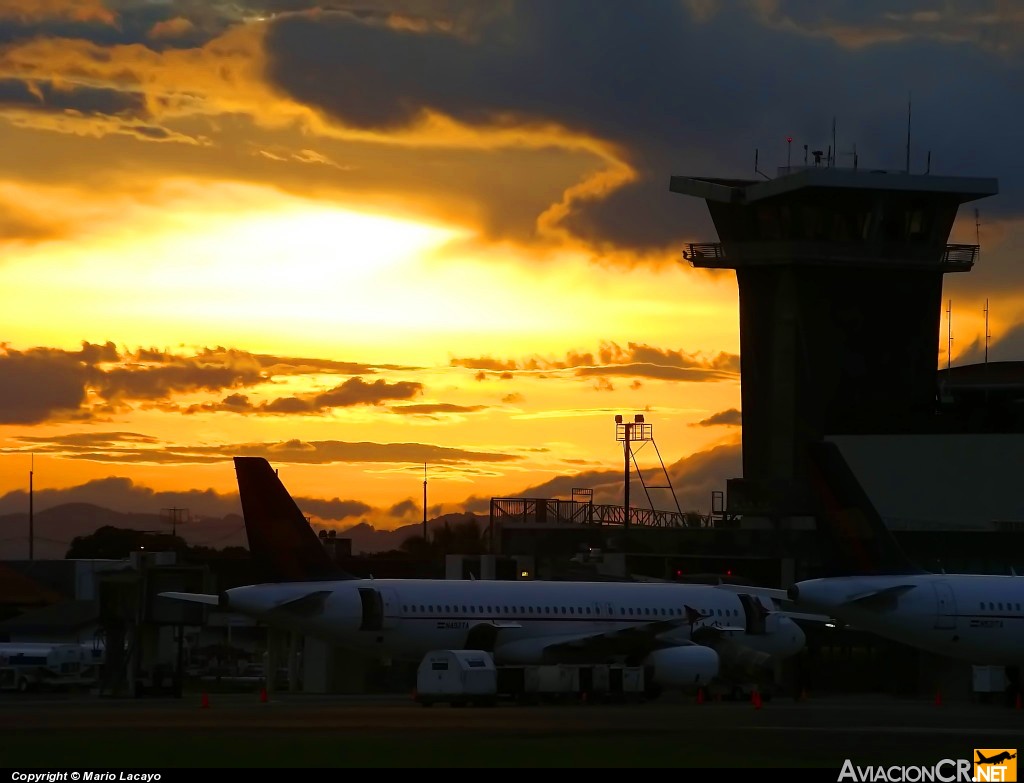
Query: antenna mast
908	133
31	517
977	231
424	502
949	336
988	334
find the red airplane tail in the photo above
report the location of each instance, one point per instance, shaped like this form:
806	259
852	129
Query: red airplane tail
282	543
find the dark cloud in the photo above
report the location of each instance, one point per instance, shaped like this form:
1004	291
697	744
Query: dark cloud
53	384
132	447
404	509
356	391
333	509
43	383
47	96
130	23
729	418
653	84
691	374
183	375
429	409
612	359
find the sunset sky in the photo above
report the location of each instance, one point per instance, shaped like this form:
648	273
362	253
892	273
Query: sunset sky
361	237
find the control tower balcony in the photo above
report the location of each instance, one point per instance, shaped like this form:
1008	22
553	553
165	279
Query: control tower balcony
719	255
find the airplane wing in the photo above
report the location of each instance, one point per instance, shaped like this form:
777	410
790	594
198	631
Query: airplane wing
636	640
194	598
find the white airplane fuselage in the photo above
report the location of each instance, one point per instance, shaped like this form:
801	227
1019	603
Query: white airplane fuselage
405	619
978	618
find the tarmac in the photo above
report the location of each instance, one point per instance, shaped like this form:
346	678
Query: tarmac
293	730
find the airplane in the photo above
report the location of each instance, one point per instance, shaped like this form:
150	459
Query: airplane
1004	756
685	635
974	617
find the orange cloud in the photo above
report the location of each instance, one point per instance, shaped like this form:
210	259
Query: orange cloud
171	28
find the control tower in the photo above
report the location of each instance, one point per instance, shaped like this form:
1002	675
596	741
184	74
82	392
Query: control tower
840	275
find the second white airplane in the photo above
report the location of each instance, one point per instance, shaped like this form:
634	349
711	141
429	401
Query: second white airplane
974	617
684	635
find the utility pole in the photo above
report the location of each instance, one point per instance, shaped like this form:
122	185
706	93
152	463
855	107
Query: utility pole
174	519
424	502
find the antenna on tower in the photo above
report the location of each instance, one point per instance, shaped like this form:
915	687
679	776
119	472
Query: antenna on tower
756	169
988	334
834	150
977	231
908	133
949	336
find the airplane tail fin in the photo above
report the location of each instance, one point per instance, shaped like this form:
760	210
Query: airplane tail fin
858	541
282	543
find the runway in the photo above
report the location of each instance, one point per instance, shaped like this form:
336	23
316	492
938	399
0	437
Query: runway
240	730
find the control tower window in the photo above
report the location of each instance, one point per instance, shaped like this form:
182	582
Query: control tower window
894	223
918	227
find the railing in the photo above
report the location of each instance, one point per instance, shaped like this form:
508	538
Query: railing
715	254
568	512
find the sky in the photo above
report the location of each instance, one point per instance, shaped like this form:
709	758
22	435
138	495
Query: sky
386	242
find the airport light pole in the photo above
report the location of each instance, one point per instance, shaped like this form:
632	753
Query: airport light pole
629	432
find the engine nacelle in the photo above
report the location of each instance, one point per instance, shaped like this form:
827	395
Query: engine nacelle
683	667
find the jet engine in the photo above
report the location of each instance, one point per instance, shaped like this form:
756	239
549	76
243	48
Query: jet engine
683	667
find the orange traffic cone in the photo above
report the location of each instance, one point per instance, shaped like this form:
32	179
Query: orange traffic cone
204	702
755	699
1018	700
263	695
700	695
938	698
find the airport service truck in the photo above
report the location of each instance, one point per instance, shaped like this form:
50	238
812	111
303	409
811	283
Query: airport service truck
30	666
458	677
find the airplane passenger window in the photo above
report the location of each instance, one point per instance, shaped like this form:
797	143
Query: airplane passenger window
588	610
572	610
1000	606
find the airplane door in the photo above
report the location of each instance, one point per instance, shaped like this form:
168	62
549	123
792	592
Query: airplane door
380	608
945	605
